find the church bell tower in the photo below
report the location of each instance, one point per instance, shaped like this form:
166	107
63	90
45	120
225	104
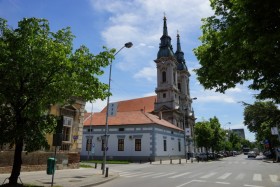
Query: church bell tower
173	93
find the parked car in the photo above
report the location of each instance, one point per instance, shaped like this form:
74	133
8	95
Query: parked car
252	154
267	154
201	156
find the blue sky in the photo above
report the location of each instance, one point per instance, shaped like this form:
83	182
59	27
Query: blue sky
111	23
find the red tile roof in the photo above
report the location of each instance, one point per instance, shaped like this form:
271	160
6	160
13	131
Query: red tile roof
128	118
145	103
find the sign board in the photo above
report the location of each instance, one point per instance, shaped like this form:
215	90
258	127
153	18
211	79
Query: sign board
274	130
187	131
57	139
112	109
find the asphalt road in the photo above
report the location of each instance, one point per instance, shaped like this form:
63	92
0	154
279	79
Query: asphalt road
238	171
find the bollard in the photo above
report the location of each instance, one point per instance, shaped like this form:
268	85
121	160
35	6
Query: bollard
95	166
140	161
107	171
170	160
191	160
179	160
160	161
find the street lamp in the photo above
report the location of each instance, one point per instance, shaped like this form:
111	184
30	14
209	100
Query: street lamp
127	45
186	110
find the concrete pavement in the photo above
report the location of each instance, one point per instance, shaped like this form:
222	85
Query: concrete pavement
83	177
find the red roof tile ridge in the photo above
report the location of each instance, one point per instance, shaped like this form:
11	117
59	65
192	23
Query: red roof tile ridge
147	115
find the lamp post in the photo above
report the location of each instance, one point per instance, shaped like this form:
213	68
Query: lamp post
127	45
186	110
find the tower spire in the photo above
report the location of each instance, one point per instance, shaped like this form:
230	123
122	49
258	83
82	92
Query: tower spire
178	43
180	55
165	32
165	47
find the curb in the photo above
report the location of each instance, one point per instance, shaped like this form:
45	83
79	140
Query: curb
102	182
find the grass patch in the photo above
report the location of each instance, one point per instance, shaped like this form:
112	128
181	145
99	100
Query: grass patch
85	166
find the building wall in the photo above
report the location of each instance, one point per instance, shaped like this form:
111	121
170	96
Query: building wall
151	143
75	111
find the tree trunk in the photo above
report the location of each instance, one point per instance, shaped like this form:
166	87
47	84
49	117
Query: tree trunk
17	162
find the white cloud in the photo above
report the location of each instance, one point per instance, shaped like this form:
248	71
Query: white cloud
235	90
149	94
216	98
97	106
141	22
148	73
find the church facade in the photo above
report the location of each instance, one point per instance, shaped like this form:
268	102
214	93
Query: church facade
148	128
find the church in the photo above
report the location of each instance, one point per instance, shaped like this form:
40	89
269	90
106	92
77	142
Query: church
149	128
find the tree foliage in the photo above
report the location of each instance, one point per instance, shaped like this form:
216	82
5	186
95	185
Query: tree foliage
209	134
218	134
39	68
203	133
260	117
241	40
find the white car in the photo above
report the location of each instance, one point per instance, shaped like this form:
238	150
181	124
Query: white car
252	154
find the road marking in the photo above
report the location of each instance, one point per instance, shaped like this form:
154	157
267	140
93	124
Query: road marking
252	185
240	176
273	178
148	175
190	182
163	175
222	182
208	175
224	176
135	174
195	175
180	175
257	177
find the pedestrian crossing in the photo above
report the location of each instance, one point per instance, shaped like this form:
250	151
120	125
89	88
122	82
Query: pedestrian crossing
257	177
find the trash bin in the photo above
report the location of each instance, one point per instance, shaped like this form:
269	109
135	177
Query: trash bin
51	165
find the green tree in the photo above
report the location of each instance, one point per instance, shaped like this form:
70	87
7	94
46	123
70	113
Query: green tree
241	40
39	68
260	117
203	134
218	135
235	141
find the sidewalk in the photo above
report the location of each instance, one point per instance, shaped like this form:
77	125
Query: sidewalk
84	177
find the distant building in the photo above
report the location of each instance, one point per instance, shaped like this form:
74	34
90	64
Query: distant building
239	132
148	128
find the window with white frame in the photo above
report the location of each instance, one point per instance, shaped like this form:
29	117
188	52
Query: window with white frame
67	128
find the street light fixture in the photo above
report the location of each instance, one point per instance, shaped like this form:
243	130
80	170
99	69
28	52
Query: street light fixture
186	111
127	45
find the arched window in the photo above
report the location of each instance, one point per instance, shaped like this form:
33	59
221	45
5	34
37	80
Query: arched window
163	76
